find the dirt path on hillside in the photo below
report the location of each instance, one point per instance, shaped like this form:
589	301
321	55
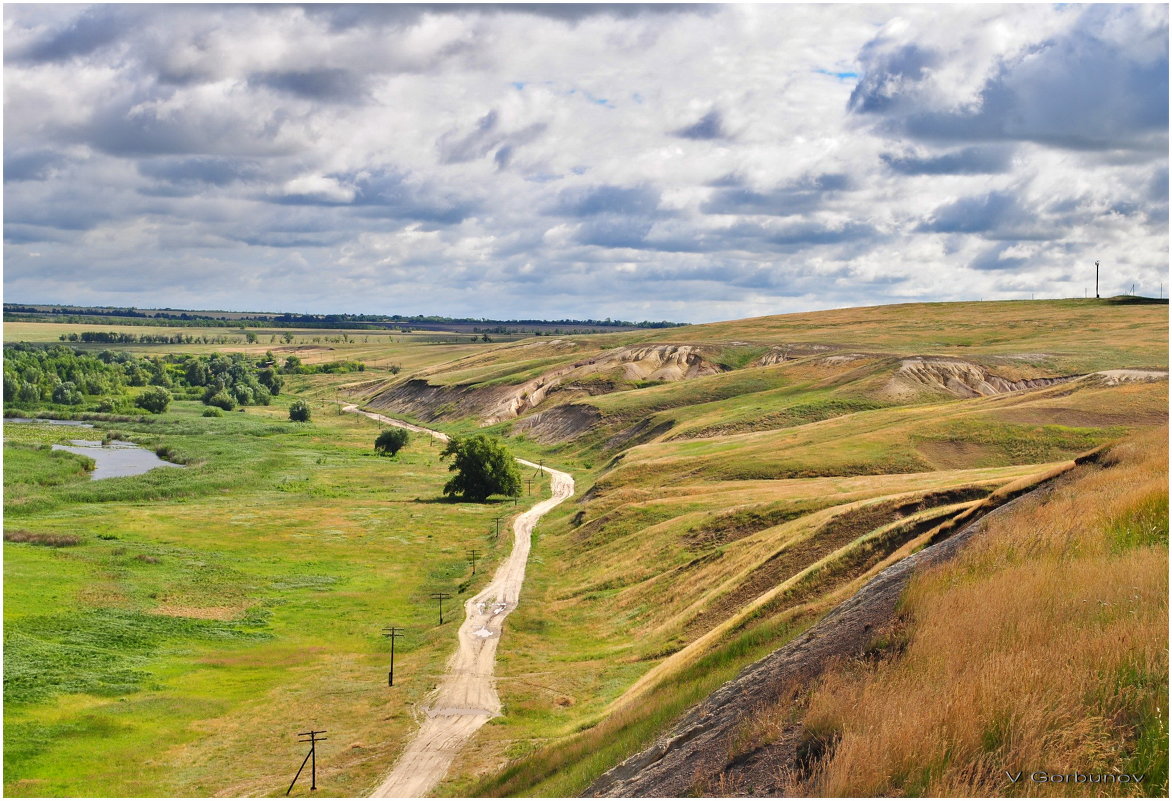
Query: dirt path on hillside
466	696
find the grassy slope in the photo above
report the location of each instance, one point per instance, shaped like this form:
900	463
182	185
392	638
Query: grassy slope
1041	648
241	598
646	584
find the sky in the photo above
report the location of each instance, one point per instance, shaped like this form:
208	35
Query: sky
689	163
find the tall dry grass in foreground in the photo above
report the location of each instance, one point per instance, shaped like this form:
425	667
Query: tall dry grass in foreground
1043	647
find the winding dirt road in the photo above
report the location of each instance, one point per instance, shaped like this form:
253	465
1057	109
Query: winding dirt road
466	697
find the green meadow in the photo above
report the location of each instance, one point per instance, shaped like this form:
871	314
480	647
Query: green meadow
206	615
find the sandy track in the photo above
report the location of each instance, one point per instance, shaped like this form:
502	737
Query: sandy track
466	697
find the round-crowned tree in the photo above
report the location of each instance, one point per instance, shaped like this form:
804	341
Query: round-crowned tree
299	411
391	441
483	467
155	400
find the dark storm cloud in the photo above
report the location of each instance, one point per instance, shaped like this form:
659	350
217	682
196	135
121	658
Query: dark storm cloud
1076	90
800	198
966	161
322	85
710	126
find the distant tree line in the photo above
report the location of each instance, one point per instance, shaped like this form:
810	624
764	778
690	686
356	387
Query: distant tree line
176	317
125	338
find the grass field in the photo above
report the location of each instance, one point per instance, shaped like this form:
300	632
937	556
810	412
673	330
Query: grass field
215	611
209	614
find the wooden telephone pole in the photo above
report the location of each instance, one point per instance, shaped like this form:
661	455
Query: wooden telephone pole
392	633
311	757
441	597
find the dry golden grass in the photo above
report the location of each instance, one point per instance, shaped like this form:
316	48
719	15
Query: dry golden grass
1042	648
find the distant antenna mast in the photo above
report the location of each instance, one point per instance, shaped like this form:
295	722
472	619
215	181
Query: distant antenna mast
1096	279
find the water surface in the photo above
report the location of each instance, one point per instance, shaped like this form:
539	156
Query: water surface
77	423
115	459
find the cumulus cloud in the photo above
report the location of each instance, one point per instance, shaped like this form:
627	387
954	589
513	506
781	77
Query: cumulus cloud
1079	87
649	161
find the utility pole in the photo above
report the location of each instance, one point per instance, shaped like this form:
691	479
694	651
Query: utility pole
392	633
1096	279
473	554
529	481
441	597
311	757
498	520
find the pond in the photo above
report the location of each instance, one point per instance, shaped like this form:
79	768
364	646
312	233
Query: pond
75	423
115	459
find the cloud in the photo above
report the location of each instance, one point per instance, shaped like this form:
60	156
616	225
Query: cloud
964	161
710	126
1077	88
323	85
589	201
579	160
93	29
33	165
199	170
487	136
805	196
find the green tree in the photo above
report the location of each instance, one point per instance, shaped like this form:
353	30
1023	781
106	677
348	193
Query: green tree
299	411
391	441
483	467
155	400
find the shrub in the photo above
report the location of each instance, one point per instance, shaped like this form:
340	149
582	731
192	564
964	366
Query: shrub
221	400
391	441
155	400
299	411
212	411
